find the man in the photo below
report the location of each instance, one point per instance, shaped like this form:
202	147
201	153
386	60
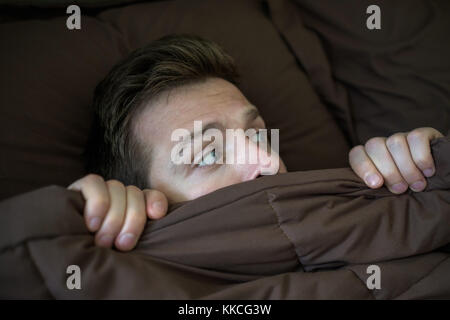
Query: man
168	85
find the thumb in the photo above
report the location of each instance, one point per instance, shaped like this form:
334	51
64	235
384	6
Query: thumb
156	203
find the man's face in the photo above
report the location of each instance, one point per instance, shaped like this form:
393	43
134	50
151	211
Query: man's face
218	103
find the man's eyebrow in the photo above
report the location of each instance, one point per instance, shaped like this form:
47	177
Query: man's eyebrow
209	125
251	114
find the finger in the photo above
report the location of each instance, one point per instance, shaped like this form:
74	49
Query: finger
95	192
419	145
114	218
399	149
156	204
135	219
379	154
364	167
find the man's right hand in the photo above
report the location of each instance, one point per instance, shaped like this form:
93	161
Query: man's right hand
118	213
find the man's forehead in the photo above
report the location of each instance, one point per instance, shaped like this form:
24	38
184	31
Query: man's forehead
180	108
198	104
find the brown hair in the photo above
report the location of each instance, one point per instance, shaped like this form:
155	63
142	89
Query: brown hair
113	151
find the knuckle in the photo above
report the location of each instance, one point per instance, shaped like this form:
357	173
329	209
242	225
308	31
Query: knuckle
133	188
395	140
416	134
115	183
373	143
355	151
93	178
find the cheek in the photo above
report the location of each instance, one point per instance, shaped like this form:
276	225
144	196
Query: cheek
283	168
208	182
203	183
194	193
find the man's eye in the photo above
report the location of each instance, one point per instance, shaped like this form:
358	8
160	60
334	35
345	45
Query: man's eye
258	136
209	159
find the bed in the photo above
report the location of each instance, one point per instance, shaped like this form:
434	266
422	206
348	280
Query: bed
326	82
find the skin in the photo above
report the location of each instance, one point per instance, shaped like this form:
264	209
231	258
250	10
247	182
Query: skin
118	213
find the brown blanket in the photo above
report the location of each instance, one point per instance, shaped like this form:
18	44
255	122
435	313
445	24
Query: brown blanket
300	235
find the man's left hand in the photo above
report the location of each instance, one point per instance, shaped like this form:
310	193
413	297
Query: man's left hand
399	161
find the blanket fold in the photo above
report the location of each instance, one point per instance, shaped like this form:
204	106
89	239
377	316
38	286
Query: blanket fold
307	234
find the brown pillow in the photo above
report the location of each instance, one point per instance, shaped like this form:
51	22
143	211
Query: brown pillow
65	3
49	74
398	77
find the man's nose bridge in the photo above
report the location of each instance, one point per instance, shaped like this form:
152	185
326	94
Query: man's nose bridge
258	153
268	160
253	153
244	151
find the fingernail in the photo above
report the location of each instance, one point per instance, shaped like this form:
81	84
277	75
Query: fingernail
417	186
127	240
373	179
158	206
399	187
428	172
94	223
105	241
